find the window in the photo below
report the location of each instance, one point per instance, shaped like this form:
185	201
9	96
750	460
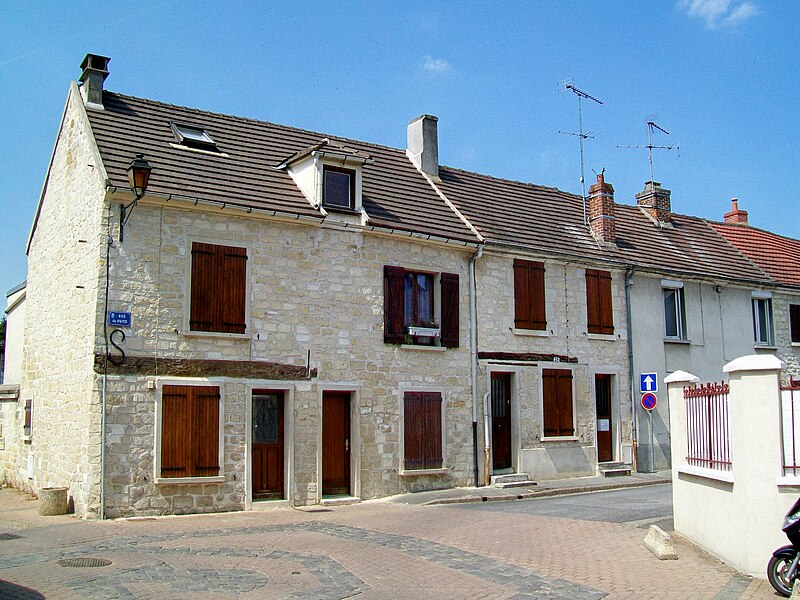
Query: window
529	308
557	403
410	307
194	136
219	288
794	322
599	313
422	431
762	322
28	422
674	313
339	189
190	431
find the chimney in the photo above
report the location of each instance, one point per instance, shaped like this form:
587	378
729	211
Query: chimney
655	201
94	72
423	145
601	210
736	216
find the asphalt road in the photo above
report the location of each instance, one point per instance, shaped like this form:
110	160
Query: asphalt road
639	507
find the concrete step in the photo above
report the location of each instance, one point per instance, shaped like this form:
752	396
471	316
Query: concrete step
613	469
515	484
340	500
511	480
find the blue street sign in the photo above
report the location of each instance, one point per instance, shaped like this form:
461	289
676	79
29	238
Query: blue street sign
649	401
119	319
648	382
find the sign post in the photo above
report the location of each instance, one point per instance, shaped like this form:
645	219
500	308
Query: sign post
648	386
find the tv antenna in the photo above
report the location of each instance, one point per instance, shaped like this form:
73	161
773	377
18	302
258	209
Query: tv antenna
651	125
569	86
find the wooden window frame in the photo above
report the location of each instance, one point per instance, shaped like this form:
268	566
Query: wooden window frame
158	476
794	323
352	174
530	302
566	423
431	464
414	319
599	306
215	306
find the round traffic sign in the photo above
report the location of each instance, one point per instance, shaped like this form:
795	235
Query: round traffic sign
649	401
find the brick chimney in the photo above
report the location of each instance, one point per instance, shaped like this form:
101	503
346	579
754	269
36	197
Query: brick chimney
94	72
601	210
736	216
655	201
423	145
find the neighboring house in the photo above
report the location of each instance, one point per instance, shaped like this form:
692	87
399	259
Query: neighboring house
14	417
15	320
776	310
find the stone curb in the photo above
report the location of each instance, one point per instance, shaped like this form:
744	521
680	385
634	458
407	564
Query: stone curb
542	493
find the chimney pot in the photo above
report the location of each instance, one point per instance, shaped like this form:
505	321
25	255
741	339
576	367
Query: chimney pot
94	70
601	210
655	200
736	216
423	145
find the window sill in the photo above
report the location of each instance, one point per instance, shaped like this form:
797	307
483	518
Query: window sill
177	480
766	347
725	476
532	332
423	348
27	439
345	210
607	337
795	344
200	150
564	438
413	472
788	481
217	334
668	340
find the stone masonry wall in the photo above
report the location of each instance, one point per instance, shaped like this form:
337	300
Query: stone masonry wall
310	289
63	266
788	353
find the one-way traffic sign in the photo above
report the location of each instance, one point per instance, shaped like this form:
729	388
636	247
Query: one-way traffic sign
648	382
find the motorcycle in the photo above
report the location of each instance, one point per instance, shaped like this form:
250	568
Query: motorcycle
782	569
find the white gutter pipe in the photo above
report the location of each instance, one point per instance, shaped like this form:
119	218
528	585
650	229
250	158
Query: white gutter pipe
473	342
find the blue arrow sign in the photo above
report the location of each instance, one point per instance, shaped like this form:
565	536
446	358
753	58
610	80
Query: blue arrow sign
648	382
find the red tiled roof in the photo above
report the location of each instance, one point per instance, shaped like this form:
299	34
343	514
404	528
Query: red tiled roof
777	255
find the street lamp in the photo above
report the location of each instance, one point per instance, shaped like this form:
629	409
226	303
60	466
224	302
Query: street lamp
138	177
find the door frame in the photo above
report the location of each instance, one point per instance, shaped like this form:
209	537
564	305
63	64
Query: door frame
288	390
516	374
614	376
355	435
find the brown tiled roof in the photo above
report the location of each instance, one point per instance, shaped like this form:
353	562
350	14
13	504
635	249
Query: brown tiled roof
395	194
777	255
548	221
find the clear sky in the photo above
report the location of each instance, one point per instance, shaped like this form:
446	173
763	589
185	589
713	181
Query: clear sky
720	75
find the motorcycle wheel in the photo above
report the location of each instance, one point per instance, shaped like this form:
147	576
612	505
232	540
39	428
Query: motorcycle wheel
777	574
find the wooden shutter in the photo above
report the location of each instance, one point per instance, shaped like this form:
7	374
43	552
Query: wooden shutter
529	301
176	431
433	431
557	400
599	311
205	432
422	430
28	422
219	288
794	320
449	310
201	315
393	295
232	286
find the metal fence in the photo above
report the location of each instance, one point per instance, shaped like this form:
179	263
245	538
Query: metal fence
790	428
707	426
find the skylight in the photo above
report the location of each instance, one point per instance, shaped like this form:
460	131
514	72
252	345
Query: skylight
194	136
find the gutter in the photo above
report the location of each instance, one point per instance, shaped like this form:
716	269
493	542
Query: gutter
473	342
634	418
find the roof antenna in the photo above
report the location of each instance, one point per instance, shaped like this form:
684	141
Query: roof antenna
568	85
651	125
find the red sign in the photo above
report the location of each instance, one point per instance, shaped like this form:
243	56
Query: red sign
649	401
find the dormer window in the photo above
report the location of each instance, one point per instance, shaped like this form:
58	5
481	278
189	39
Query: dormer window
339	187
194	136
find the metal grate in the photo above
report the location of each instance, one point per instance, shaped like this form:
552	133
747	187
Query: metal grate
84	562
9	536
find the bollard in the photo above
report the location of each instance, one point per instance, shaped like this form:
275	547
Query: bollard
53	501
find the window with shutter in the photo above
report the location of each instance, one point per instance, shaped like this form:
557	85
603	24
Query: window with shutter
794	322
190	431
422	431
599	313
28	419
557	403
218	288
529	300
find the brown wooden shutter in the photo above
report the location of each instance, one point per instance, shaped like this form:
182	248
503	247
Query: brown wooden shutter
393	295
529	299
232	286
413	427
176	431
433	431
599	311
794	320
202	308
449	310
557	400
27	426
565	403
205	432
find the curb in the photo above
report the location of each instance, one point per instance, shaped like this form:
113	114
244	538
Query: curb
543	493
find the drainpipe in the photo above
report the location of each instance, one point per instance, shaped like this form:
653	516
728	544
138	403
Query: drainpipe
486	476
473	342
109	242
634	429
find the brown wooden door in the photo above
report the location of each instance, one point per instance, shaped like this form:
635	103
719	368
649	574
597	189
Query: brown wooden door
335	443
501	420
602	392
267	445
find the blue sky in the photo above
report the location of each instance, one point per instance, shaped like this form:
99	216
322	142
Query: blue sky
720	75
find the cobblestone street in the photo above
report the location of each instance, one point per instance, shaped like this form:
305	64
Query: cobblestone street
372	550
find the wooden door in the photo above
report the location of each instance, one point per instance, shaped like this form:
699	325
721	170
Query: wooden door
335	443
267	444
602	392
501	420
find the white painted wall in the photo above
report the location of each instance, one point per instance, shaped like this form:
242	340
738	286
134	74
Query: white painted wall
15	327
